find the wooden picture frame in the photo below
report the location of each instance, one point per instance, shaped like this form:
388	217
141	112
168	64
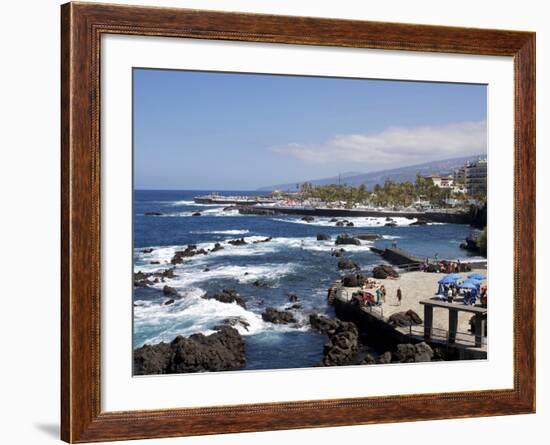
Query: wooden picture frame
82	26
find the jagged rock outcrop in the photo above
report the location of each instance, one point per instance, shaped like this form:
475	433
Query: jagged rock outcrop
226	296
144	279
190	251
347	264
216	247
237	242
237	321
409	353
342	345
407	318
347	239
170	291
273	315
383	271
265	240
354	280
323	237
223	350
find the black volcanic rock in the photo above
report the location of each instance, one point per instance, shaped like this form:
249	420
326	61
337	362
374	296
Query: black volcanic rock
323	237
347	239
273	315
346	264
237	242
170	291
216	247
338	253
292	297
407	318
222	351
190	251
226	296
354	280
409	353
308	218
153	214
343	336
265	240
383	271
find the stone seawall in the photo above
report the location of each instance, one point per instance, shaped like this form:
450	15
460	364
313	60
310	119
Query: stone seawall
443	217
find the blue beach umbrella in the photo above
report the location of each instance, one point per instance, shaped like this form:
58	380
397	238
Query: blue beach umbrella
469	284
447	280
476	276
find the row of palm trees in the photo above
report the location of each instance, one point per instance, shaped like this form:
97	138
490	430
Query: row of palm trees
390	194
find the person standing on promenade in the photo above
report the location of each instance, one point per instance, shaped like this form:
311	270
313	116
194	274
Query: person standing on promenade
399	296
383	291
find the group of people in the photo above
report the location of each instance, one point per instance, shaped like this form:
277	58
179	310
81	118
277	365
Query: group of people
469	296
379	295
445	266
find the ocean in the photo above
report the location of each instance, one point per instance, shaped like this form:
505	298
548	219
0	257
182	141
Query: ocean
263	273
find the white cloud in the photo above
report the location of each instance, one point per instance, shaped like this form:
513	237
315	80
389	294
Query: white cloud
394	146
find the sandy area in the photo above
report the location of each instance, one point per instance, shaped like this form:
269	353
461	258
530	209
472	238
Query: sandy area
416	286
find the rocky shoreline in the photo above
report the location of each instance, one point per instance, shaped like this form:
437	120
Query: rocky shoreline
225	349
475	216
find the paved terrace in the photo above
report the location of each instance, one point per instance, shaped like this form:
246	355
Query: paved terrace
416	288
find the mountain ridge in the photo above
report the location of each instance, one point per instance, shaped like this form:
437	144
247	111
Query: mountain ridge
370	179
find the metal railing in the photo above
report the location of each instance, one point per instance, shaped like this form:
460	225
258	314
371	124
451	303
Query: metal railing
463	338
377	311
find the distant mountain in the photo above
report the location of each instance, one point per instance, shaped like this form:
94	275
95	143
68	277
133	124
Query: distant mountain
401	174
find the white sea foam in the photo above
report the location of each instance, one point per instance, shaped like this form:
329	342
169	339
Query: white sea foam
216	211
223	232
357	221
192	203
193	314
164	254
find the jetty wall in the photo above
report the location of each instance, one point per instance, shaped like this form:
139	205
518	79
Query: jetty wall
443	217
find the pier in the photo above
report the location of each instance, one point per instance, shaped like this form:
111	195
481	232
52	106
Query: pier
409	262
453	309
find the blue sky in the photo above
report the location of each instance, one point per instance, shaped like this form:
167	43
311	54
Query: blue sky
223	131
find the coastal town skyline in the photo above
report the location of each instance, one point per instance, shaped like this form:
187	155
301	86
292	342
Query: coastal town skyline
220	131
